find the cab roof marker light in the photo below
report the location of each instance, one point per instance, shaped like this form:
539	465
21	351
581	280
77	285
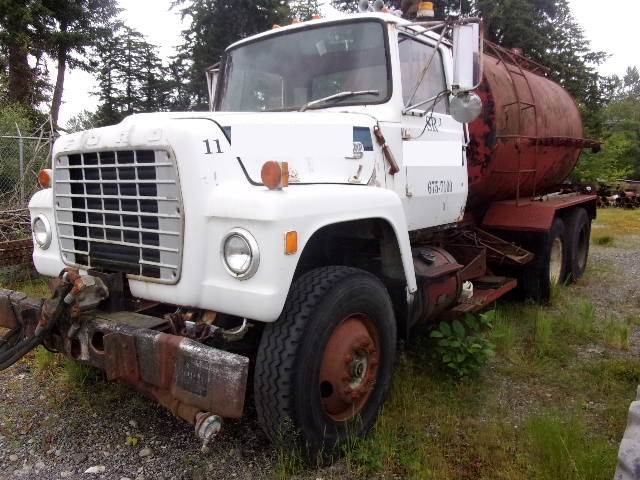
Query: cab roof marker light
425	10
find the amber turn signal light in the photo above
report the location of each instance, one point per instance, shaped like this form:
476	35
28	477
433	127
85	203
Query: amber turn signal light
291	242
44	177
275	175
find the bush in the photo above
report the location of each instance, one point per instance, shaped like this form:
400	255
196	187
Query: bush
461	345
603	240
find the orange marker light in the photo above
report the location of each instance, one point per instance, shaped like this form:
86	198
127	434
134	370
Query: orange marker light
291	242
425	9
275	175
44	177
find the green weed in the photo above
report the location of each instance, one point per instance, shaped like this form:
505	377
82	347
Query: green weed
603	240
35	286
505	335
290	459
44	359
461	345
562	448
614	222
575	322
80	375
544	344
615	333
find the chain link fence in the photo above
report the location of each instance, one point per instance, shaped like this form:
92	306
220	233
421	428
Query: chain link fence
21	158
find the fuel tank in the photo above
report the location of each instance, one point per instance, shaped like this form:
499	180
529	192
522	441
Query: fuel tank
529	136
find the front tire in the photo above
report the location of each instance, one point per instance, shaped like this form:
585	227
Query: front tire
324	368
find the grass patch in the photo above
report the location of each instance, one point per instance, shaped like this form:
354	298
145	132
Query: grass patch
43	359
604	240
32	287
505	335
563	448
429	429
615	222
290	459
615	333
80	375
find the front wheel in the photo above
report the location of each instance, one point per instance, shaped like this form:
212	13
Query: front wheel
324	368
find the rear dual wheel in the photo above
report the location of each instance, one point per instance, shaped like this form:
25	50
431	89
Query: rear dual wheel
549	268
324	368
561	256
579	231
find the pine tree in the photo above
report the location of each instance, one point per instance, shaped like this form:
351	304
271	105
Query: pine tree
72	27
22	30
215	24
131	78
350	6
304	10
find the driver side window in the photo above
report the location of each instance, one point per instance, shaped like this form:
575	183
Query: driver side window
414	56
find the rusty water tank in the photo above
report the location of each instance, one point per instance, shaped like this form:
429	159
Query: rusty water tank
529	136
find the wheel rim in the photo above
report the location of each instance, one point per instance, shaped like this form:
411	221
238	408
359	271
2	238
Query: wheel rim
349	368
556	260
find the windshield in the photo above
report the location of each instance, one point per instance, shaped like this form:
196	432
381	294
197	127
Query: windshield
287	71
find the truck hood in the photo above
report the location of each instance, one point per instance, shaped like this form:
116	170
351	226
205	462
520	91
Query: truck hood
320	147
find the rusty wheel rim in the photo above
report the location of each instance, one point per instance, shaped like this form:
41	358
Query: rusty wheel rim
349	368
556	261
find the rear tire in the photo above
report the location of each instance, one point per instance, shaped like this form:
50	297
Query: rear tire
550	265
579	234
301	391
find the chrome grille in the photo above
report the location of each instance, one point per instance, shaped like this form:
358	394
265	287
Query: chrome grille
120	211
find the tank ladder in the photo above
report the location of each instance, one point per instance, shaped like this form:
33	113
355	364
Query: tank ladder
509	59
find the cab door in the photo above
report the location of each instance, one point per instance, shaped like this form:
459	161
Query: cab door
432	141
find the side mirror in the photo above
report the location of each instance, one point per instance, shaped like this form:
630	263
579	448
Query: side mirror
212	82
465	107
467	56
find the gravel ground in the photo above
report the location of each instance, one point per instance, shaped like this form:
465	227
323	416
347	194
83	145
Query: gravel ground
613	285
51	430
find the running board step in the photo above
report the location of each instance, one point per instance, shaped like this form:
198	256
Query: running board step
486	290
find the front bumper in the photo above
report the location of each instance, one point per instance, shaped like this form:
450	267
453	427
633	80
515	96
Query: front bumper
185	376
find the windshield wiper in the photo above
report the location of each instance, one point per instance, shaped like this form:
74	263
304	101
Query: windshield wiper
338	96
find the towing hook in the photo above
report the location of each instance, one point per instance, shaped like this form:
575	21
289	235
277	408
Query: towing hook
208	427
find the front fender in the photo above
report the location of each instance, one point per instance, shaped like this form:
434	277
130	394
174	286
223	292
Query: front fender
307	209
268	215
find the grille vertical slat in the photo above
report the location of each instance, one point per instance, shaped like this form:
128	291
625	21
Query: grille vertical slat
120	210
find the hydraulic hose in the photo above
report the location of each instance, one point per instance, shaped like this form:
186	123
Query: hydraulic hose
14	348
23	347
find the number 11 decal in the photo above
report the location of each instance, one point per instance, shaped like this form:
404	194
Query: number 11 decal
208	146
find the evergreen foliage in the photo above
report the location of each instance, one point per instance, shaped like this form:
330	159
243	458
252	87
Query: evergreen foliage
131	78
72	27
620	118
215	24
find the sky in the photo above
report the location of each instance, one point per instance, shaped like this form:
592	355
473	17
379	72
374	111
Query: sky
609	26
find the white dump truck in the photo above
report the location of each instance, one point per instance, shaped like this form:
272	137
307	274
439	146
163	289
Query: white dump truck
355	178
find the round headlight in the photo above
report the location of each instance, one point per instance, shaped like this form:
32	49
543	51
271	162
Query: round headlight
41	231
240	253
